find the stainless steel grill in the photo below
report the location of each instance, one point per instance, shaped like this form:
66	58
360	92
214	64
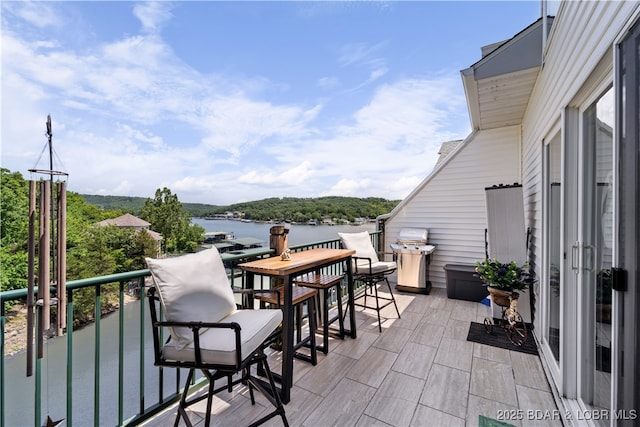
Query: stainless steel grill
413	256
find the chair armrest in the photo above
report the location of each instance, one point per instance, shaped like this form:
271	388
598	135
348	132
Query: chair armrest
197	325
356	258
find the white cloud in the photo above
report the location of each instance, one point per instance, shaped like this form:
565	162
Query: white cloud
152	15
130	117
349	187
289	177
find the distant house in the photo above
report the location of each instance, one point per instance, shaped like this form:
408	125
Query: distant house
132	221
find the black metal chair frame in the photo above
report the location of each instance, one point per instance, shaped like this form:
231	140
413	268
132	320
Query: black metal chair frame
371	279
213	371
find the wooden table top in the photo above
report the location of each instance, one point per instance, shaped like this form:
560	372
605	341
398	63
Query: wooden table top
300	261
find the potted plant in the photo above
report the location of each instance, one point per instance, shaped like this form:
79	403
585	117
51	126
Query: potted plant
503	280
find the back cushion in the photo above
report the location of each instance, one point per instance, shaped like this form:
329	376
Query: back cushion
361	243
192	287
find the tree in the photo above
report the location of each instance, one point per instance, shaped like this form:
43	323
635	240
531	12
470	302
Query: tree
167	217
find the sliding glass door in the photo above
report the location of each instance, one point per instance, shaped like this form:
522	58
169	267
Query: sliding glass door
597	209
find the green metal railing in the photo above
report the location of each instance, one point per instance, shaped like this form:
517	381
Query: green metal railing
146	409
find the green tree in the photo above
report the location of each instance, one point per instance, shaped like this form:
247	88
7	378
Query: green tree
14	230
167	217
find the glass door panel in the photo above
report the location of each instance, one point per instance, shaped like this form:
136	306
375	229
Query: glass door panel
597	213
554	250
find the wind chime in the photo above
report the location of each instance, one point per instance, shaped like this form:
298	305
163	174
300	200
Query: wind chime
47	211
47	245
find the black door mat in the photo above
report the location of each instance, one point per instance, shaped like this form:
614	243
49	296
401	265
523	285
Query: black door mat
499	338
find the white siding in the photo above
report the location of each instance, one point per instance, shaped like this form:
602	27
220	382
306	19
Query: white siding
451	201
579	52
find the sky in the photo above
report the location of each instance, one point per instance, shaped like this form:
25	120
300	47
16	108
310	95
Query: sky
227	102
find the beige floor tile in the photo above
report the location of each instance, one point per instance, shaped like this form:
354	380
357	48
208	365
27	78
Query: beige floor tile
393	339
447	390
396	399
367	421
372	368
457	329
464	310
493	381
436	316
488	352
343	407
425	416
527	370
418	304
455	354
409	320
415	360
427	334
355	348
302	404
537	404
323	378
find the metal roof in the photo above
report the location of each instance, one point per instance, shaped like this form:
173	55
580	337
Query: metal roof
247	241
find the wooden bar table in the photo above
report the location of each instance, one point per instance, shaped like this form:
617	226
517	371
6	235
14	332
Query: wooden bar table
300	263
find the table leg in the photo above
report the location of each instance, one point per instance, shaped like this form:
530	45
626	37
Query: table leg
249	283
287	341
351	301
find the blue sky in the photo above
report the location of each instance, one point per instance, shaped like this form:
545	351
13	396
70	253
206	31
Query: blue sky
224	102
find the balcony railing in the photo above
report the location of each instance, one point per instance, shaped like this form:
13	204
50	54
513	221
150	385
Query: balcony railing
125	394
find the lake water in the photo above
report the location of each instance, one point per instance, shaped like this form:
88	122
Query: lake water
298	234
19	389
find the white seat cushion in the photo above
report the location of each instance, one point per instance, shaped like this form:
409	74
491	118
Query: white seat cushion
192	288
376	267
219	346
361	243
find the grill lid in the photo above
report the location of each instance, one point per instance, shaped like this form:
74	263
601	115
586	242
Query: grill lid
417	236
402	248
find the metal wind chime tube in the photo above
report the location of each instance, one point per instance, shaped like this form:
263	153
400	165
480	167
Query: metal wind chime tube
44	259
62	257
31	275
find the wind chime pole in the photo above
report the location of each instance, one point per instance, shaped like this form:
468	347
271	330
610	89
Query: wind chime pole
62	257
31	248
52	206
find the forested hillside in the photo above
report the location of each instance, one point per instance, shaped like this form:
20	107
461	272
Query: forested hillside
91	250
278	209
133	204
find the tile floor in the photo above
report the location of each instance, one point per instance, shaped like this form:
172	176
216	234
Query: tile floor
420	371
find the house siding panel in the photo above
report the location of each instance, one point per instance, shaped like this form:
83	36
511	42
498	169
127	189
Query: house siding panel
451	201
575	50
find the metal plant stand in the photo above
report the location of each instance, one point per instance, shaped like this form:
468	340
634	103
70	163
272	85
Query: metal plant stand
511	321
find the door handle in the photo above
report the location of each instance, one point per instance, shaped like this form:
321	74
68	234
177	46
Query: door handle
575	251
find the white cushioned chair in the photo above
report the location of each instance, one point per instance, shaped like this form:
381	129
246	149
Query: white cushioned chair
207	331
369	269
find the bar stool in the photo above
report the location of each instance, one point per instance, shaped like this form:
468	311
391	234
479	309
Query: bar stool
325	282
299	296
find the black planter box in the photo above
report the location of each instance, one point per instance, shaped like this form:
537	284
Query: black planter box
462	284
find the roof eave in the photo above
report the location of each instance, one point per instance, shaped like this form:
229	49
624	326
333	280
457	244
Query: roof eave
503	77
